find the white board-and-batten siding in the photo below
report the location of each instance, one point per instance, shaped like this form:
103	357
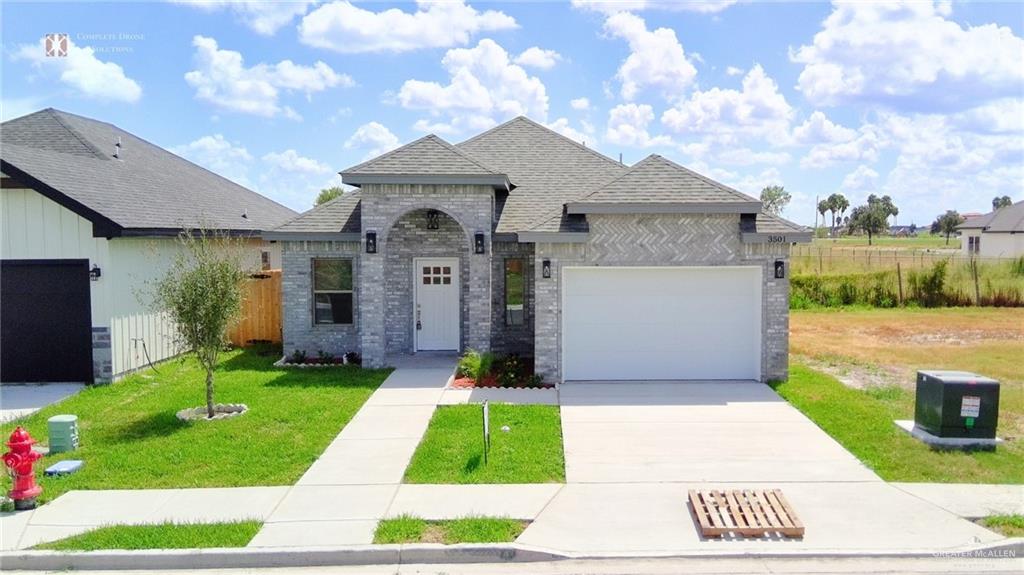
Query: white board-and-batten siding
34	227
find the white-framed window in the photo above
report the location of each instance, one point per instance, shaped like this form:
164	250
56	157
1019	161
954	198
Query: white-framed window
332	291
515	291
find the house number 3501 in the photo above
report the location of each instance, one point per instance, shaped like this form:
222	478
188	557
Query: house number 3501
776	239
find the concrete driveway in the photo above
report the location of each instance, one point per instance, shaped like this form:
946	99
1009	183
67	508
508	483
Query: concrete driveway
694	432
21	400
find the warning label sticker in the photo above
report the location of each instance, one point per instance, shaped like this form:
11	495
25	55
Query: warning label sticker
970	406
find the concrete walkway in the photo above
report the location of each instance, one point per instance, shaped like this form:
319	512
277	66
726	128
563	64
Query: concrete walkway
79	511
21	400
969	500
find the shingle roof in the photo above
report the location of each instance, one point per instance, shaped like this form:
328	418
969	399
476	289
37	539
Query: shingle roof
340	215
658	181
769	224
547	169
429	155
1004	220
146	187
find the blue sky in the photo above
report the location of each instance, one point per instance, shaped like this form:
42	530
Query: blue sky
922	101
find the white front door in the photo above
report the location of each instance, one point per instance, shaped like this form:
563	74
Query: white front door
436	313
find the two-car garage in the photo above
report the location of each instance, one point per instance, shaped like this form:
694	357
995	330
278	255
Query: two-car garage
661	323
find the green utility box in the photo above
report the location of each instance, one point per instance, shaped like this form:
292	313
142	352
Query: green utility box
957	404
63	433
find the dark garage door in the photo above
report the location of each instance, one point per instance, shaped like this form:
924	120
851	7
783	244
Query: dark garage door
45	321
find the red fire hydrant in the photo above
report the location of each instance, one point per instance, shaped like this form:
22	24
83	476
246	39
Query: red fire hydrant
21	460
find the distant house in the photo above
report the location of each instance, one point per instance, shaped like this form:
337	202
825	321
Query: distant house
998	234
89	214
903	231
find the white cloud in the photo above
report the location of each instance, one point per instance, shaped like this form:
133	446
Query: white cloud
485	87
373	137
864	147
536	57
907	54
627	126
222	79
758	110
586	135
291	161
613	6
218	155
818	129
580	103
733	71
83	71
656	60
748	157
862	180
343	27
1001	116
262	16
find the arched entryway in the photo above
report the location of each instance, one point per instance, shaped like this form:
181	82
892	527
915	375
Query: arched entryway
426	282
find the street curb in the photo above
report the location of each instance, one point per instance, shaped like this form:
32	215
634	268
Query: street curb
267	557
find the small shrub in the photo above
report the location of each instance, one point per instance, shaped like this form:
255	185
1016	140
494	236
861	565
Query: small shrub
325	357
927	287
535	380
353	358
1017	267
475	365
297	356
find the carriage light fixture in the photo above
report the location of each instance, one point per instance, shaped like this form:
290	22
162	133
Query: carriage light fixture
545	269
780	269
478	242
95	273
371	242
433	219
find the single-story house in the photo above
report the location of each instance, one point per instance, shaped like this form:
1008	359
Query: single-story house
90	214
997	234
520	240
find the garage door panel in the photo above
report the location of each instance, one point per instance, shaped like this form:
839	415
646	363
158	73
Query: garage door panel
661	323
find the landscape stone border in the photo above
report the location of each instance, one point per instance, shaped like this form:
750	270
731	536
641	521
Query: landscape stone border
222	410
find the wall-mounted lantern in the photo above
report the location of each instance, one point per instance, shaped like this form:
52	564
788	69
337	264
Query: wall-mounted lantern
371	242
95	273
478	242
545	269
780	269
433	219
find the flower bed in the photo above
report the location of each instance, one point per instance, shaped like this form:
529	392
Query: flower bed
300	359
485	370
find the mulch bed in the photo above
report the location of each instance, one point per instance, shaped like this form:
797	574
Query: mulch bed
492	382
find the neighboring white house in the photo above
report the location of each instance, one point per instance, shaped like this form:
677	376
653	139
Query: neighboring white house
89	214
998	234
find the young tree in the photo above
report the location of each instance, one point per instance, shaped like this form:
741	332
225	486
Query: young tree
886	204
871	218
946	224
1001	202
202	293
774	199
328	194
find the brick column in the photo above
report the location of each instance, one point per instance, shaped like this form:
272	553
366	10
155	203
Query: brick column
371	306
479	304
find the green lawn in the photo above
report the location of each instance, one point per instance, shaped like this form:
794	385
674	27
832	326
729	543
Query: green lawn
407	529
452	449
1009	525
862	421
164	536
131	439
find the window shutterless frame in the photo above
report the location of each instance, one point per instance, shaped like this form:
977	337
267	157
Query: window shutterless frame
514	270
333	294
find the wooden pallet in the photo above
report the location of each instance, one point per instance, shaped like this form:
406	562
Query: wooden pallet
747	513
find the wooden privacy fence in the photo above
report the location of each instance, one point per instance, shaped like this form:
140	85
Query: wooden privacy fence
261	310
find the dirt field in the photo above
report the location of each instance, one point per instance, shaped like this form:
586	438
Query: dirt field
883	348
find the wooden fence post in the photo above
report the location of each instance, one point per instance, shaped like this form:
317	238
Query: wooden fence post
899	280
977	290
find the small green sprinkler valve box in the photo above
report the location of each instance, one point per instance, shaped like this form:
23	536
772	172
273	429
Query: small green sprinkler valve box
63	430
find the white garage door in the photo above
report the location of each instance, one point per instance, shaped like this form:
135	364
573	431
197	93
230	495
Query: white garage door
661	323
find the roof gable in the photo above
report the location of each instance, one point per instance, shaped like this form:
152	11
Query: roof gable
1008	219
657	184
342	216
429	156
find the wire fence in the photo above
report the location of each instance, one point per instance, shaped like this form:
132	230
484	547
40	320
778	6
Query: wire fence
865	259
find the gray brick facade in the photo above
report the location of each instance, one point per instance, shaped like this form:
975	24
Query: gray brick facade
661	240
384	206
506	338
299	331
